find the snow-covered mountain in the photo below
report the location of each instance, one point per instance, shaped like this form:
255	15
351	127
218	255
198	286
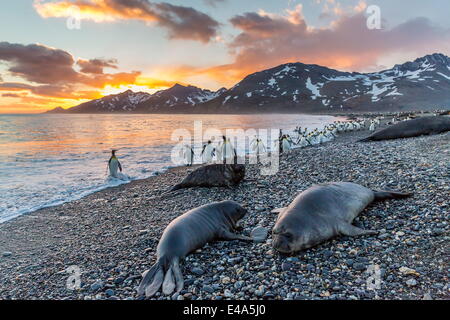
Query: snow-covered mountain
175	99
123	102
423	84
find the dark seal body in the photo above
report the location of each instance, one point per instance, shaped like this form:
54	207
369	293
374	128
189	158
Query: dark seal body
188	232
412	128
323	212
213	175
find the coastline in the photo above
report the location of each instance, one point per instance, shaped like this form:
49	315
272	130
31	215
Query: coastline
111	234
73	190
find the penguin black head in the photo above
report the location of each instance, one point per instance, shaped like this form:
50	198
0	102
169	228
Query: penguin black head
209	141
113	152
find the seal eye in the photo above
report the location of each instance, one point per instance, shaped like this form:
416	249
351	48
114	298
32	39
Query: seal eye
288	235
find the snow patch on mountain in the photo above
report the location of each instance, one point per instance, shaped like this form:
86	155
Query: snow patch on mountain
314	88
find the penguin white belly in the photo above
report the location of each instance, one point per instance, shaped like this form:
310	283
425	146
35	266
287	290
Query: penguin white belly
187	156
219	153
258	148
207	154
306	142
114	168
228	152
286	145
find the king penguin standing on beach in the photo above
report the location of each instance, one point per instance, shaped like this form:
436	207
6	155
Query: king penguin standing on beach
114	165
227	152
208	152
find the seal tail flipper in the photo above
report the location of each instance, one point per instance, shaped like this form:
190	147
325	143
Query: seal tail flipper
385	194
147	278
178	275
169	282
156	284
153	278
350	230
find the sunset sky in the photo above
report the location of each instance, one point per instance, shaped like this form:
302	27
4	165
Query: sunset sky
47	61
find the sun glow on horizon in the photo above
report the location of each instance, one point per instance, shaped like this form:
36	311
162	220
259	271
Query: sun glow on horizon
109	89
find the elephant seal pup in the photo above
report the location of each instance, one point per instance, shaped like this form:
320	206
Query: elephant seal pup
412	128
323	212
213	175
188	232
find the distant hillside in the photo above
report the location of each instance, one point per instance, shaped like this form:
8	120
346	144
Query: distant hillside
423	84
57	110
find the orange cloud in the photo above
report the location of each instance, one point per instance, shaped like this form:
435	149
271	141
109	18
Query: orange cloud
267	40
180	22
50	73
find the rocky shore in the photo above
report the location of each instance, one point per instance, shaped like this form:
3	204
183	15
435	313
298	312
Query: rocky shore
111	236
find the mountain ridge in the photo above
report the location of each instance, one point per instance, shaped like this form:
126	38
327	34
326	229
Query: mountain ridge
422	84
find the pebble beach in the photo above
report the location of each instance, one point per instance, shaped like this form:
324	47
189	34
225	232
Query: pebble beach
111	236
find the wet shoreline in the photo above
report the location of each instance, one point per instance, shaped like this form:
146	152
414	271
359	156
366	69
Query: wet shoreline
111	235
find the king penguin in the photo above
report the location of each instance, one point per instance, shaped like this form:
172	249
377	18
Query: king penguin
208	152
114	165
228	152
258	147
285	143
188	155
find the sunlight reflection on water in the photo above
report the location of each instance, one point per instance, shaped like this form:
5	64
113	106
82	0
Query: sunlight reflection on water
50	159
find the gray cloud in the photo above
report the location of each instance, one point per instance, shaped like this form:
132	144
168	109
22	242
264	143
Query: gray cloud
11	95
96	66
214	3
181	22
38	63
268	40
50	71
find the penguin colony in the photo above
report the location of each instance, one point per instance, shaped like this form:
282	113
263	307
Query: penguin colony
224	151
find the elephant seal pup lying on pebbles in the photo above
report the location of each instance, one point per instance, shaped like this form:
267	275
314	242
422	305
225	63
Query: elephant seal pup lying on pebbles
412	128
213	175
323	212
188	232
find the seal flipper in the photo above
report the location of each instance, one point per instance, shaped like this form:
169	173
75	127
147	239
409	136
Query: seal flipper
153	278
386	194
368	139
156	284
227	235
147	278
278	210
176	187
169	282
178	275
350	230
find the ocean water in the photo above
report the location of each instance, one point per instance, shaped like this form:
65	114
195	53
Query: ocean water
50	159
